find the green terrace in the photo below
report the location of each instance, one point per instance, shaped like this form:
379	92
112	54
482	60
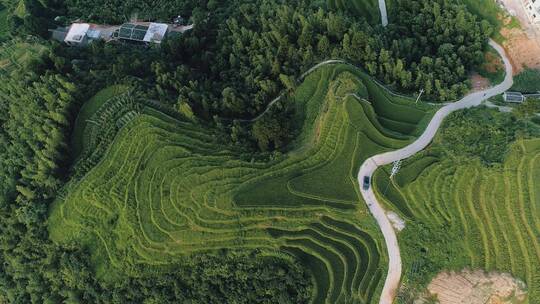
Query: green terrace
149	189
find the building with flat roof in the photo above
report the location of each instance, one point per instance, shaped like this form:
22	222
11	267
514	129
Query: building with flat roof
142	32
515	97
532	7
80	34
76	34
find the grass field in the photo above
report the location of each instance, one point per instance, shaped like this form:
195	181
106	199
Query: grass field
527	81
461	213
164	188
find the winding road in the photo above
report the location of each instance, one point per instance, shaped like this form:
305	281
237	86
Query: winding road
371	164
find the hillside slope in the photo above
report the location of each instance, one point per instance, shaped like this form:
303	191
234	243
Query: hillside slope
166	188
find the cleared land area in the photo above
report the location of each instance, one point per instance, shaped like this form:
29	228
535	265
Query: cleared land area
162	188
477	287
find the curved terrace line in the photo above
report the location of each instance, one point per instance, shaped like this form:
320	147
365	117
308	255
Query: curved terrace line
371	164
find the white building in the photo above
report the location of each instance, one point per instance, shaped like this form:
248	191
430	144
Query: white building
77	34
156	32
532	7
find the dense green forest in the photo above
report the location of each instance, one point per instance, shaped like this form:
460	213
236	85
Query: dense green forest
240	55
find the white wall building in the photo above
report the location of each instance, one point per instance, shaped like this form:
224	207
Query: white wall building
532	7
76	34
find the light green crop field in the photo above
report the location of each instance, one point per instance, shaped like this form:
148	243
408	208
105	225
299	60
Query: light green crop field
464	214
164	188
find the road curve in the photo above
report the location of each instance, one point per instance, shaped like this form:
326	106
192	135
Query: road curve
369	166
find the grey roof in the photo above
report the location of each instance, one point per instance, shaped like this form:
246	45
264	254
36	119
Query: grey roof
513	93
132	32
513	96
59	34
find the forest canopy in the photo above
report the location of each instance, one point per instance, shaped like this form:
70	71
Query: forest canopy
243	54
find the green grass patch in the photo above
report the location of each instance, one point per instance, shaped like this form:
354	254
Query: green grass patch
527	81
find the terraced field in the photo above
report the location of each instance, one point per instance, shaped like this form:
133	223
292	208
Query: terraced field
4	30
163	188
16	54
481	217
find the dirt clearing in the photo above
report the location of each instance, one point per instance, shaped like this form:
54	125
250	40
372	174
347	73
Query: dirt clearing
479	83
476	287
523	51
522	44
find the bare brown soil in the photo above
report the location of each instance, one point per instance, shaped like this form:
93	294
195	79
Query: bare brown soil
522	50
479	83
493	63
477	287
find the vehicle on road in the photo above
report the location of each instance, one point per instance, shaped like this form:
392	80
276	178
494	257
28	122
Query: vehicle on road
365	183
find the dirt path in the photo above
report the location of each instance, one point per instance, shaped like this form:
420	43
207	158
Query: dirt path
369	166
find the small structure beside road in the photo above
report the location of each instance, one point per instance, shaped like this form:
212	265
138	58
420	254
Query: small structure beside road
80	34
515	97
518	97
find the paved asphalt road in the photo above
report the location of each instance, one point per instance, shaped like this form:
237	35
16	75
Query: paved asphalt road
393	277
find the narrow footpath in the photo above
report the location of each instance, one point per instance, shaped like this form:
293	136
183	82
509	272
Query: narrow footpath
371	164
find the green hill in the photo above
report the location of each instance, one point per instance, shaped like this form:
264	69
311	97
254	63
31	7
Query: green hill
166	188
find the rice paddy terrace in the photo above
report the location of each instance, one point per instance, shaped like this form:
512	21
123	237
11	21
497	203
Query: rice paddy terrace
4	28
149	189
482	217
18	53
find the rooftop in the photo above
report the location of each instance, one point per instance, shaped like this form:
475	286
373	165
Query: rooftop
151	32
77	32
